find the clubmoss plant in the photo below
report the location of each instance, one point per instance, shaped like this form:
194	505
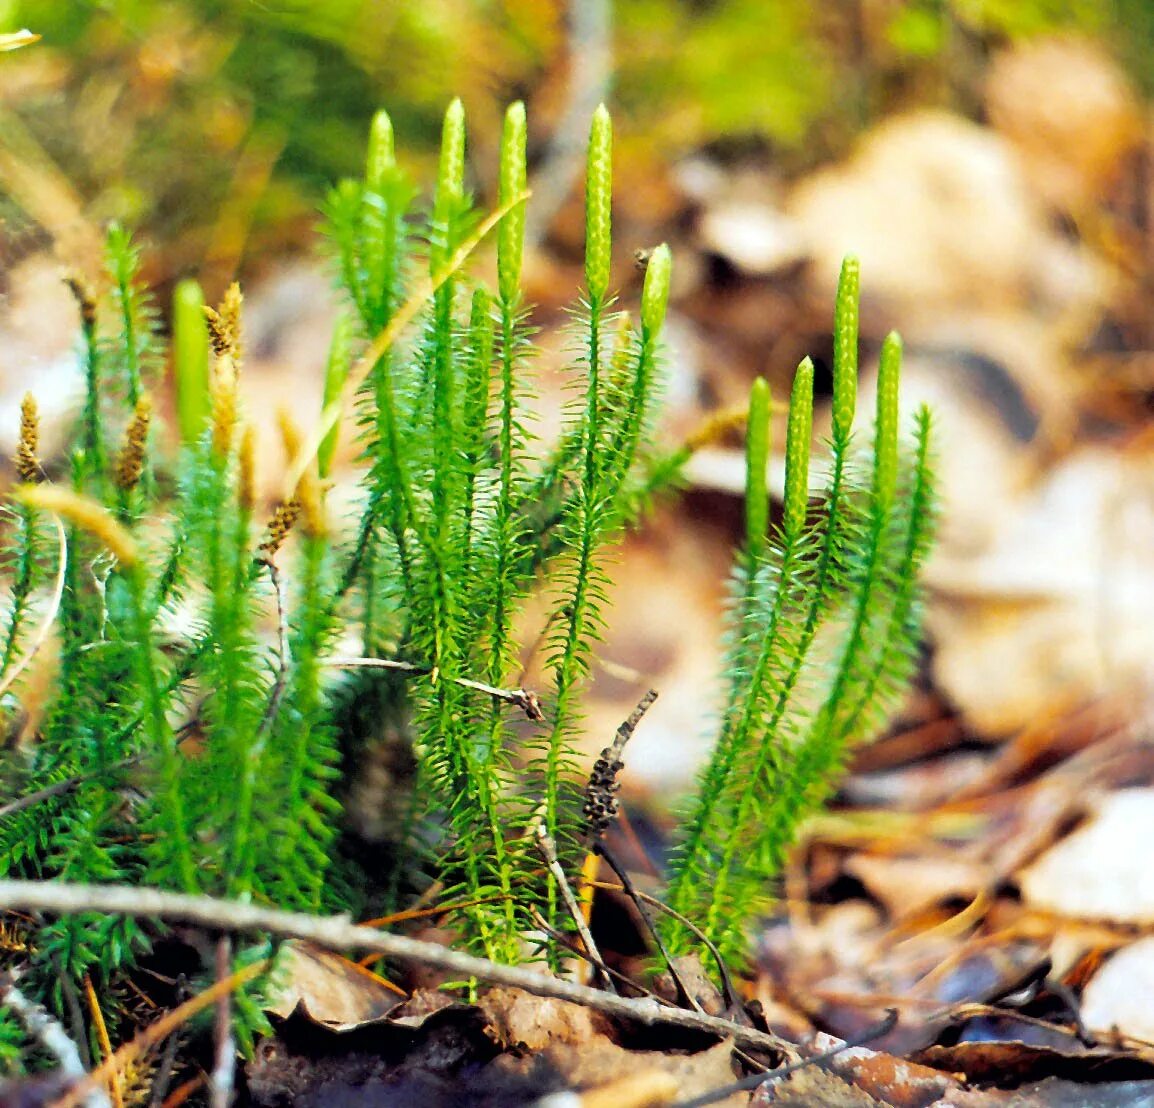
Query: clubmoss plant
207	759
824	632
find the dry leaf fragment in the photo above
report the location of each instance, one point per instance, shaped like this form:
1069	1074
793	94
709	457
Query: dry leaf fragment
332	990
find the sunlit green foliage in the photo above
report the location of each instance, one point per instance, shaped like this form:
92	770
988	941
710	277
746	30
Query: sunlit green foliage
824	630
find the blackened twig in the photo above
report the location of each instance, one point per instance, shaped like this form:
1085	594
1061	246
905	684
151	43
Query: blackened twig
684	996
601	803
728	992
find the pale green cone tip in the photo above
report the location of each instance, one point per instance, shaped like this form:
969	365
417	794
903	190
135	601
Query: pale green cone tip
845	339
380	159
756	461
886	431
655	294
451	177
598	204
797	442
190	359
336	371
511	236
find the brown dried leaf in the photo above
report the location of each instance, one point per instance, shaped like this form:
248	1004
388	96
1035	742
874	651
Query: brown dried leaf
330	989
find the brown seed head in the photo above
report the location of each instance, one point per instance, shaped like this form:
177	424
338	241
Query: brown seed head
224	323
26	461
282	522
85	299
222	396
307	493
130	461
246	475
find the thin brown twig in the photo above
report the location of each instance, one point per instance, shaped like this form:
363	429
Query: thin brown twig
525	699
596	963
729	993
548	850
52	1036
756	1080
222	1078
337	933
114	1081
160	1030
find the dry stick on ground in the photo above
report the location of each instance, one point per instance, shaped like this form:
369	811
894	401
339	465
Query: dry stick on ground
337	933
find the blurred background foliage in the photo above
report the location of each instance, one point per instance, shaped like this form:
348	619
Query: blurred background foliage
214	125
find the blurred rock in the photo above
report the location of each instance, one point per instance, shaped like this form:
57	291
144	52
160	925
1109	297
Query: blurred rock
1101	871
942	217
1117	998
1071	115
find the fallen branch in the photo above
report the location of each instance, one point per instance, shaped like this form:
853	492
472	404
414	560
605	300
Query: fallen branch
338	933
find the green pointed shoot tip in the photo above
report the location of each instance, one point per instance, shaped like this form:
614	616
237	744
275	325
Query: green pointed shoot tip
451	178
511	237
756	463
655	294
336	371
886	430
380	159
797	442
480	313
845	333
190	359
598	205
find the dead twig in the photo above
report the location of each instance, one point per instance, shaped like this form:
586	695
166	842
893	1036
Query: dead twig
755	1081
548	850
526	700
52	1036
222	1079
155	1032
337	933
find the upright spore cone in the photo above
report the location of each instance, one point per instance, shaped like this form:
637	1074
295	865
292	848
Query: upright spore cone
130	462
26	460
